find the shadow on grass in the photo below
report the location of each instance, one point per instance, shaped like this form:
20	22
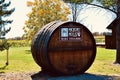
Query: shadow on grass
85	76
3	67
28	51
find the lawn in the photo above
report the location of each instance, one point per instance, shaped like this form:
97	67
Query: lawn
103	63
99	39
20	60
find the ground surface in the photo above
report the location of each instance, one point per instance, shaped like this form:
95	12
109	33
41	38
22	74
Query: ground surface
21	61
39	76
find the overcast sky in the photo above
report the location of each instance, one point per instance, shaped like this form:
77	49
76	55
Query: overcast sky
95	22
97	19
18	17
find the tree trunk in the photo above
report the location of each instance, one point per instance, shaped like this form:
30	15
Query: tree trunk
74	11
118	34
7	62
118	44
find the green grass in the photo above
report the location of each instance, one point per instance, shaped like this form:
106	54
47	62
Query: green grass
20	60
99	39
103	63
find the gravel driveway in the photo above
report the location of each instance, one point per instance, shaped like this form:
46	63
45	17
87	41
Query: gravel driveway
37	76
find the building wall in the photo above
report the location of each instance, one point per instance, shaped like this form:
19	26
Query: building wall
110	40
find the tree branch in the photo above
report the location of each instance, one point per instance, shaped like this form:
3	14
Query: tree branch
100	7
93	5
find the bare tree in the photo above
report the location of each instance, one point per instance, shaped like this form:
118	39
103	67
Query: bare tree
76	7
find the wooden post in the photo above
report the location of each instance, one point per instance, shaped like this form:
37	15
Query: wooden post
7	58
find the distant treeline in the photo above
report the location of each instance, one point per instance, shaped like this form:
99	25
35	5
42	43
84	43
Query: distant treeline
101	33
18	43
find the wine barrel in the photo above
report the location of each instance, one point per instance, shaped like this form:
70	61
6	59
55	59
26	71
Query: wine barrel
64	48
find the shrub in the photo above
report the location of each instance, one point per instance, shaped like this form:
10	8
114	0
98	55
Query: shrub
18	43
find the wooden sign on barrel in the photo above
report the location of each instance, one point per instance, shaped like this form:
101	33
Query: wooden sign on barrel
64	48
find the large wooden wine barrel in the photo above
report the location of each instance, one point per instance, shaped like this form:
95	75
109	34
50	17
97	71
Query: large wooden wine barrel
64	48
